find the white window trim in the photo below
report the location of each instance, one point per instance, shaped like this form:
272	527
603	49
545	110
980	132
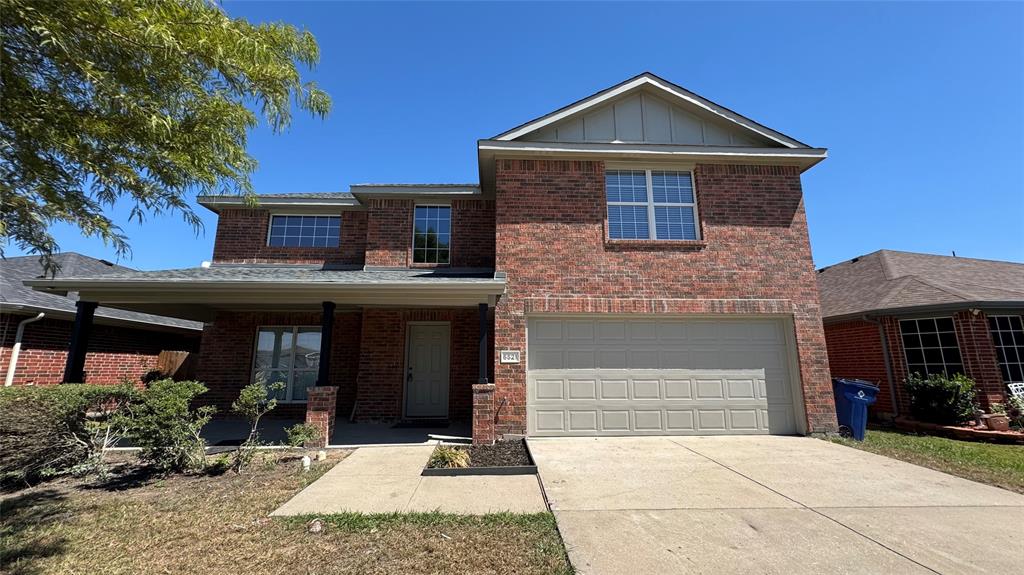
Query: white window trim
412	238
945	368
1017	345
291	370
270	228
650	204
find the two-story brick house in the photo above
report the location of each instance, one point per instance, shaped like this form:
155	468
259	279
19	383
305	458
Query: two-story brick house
635	263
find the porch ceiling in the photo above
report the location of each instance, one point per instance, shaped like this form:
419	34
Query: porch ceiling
198	293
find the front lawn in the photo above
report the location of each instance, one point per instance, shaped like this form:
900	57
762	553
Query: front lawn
219	524
995	464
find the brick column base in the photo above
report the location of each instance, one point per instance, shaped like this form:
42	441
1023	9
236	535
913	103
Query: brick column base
483	413
320	411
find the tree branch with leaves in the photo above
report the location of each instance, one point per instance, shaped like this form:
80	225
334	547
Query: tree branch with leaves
142	101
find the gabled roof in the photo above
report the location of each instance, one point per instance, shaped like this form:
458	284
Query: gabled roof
315	200
669	91
15	296
889	280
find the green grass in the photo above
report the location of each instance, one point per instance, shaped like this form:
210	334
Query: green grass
995	464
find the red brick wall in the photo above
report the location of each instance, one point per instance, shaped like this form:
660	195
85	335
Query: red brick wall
382	361
389	233
855	351
242	238
551	242
979	357
114	353
225	358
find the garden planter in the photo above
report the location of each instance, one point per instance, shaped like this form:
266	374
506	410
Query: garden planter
502	458
997	422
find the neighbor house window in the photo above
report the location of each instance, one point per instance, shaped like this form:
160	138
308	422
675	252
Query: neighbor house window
431	234
651	205
930	346
1008	337
289	355
304	231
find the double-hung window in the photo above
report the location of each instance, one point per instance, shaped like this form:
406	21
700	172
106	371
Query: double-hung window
304	231
289	355
431	234
930	346
651	205
1008	337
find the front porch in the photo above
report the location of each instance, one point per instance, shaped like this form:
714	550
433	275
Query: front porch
345	345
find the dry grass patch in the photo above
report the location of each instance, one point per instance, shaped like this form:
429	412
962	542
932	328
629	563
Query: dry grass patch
214	525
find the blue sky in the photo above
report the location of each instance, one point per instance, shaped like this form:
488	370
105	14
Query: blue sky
920	104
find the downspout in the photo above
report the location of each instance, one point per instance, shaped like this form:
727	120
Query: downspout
887	357
16	349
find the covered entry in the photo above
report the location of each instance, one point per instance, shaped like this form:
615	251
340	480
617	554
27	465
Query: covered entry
590	375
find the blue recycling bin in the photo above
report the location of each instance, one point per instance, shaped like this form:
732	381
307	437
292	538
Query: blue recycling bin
853	396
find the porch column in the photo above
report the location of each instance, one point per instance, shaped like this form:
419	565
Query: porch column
326	332
483	344
74	369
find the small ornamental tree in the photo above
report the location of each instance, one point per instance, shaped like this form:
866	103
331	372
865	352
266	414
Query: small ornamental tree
256	400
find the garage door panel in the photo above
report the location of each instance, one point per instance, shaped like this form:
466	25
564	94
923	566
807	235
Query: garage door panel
655	376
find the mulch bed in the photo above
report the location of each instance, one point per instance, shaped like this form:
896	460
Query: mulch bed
501	454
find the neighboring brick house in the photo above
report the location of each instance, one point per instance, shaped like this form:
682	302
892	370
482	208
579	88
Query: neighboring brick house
635	263
888	314
124	345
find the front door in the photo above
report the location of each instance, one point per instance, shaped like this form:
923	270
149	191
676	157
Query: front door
426	381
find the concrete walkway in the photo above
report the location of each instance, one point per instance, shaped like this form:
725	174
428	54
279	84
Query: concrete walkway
769	505
387	479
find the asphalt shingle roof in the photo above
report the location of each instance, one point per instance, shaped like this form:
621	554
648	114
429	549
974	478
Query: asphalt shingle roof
889	279
13	271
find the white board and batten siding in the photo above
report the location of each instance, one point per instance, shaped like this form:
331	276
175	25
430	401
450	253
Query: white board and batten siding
651	376
643	117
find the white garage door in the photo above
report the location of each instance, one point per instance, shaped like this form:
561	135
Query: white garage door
589	376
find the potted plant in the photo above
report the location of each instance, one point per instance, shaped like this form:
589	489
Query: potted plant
996	419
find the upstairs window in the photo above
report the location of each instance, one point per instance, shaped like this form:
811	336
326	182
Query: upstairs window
1008	337
431	234
288	355
304	231
930	346
651	205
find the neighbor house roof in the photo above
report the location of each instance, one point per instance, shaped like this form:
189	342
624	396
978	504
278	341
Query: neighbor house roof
890	281
15	296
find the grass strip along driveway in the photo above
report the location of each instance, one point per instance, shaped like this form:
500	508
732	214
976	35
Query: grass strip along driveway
219	524
994	464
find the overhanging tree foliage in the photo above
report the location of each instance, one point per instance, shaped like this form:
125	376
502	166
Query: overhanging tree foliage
145	101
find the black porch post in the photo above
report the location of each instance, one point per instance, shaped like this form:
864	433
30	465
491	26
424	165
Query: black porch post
483	343
74	369
326	333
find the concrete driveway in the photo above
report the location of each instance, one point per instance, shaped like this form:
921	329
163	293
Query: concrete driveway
769	505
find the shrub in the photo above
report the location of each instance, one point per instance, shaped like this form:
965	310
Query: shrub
54	430
1015	411
447	457
167	429
301	434
940	399
255	401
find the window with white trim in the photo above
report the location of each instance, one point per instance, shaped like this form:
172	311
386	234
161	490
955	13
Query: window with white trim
304	231
651	205
288	355
1008	337
930	346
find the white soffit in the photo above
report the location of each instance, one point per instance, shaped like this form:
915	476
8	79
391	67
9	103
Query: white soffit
649	109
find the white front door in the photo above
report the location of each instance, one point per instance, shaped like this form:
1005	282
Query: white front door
426	381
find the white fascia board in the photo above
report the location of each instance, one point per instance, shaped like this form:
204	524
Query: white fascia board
425	190
216	203
805	157
664	86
